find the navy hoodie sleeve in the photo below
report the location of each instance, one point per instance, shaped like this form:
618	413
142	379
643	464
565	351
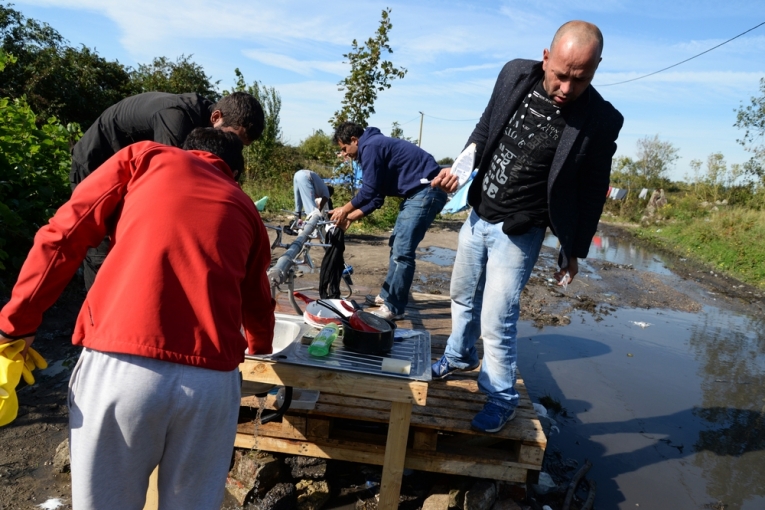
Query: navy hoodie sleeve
370	196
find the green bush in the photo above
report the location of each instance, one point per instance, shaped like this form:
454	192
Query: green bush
34	170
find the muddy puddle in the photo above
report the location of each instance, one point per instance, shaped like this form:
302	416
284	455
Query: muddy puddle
618	251
669	406
437	255
665	398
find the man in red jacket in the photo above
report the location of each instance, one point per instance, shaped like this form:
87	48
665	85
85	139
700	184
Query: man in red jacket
157	383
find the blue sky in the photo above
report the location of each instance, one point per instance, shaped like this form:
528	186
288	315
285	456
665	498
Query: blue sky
453	51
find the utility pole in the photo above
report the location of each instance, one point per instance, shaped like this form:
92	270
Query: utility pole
419	139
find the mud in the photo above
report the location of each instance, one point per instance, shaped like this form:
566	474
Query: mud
27	446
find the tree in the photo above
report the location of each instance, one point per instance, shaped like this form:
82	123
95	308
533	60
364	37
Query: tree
34	170
751	119
655	158
396	131
369	75
319	147
177	77
72	84
263	155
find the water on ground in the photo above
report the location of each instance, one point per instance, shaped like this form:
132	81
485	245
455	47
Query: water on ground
669	406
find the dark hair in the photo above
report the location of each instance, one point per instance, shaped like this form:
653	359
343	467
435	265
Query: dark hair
240	109
345	131
224	144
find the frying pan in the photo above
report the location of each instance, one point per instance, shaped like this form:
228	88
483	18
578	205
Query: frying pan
317	314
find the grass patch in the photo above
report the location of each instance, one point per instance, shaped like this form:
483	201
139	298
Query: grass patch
281	198
731	239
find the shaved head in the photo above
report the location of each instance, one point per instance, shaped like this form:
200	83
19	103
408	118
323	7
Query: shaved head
580	33
570	63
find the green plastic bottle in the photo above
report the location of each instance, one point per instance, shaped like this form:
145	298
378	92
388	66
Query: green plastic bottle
323	341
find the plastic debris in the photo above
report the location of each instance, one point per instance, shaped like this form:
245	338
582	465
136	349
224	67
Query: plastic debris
642	324
51	504
541	411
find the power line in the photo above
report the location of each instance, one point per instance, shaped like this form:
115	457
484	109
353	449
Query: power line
449	120
684	61
410	120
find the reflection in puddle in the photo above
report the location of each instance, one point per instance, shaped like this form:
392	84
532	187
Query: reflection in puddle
617	251
672	416
436	255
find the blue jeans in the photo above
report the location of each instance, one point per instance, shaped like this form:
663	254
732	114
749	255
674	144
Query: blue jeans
308	186
415	215
490	271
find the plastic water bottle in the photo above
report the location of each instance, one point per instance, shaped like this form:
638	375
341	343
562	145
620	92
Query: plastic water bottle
323	341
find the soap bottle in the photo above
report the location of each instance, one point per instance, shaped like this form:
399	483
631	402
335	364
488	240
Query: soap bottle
323	341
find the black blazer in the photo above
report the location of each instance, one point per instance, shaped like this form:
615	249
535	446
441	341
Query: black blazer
581	168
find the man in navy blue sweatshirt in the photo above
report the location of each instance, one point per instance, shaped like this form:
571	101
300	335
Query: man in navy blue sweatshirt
391	168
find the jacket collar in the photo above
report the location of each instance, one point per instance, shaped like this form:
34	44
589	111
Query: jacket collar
524	84
575	119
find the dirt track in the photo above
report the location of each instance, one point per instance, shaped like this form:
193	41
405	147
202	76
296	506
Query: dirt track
27	476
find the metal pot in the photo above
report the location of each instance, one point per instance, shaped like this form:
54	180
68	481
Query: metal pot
366	342
371	341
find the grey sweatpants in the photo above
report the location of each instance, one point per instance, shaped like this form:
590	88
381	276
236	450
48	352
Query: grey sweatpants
128	414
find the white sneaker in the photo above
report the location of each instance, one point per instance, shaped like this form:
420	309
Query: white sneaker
386	313
374	300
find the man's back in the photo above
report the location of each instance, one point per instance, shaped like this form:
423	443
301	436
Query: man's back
187	266
158	116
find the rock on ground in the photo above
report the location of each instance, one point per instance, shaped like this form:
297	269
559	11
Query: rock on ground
253	474
312	494
481	496
61	458
307	467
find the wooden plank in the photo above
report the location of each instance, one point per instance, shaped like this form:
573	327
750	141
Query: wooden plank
292	427
395	453
524	428
318	428
344	383
152	494
415	459
438	298
531	454
425	439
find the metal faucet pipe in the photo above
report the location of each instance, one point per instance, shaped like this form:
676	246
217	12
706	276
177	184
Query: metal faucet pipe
277	275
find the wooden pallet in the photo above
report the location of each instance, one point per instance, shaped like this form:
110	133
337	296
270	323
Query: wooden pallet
440	438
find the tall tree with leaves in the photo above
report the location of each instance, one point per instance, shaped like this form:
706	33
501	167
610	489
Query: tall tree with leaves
751	119
261	156
34	166
369	75
177	77
72	84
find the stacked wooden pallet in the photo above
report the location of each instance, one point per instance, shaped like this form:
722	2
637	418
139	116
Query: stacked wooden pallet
439	439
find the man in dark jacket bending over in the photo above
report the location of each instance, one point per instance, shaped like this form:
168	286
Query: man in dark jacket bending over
392	168
163	118
543	150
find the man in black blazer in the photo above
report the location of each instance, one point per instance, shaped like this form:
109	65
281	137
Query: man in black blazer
543	151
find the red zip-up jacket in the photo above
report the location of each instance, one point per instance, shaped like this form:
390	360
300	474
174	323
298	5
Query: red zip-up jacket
186	271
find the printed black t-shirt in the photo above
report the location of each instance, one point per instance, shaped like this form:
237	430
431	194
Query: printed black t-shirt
514	189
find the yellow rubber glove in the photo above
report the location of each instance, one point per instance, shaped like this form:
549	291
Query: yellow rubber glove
34	360
11	366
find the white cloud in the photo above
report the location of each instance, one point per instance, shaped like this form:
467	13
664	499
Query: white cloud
304	67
